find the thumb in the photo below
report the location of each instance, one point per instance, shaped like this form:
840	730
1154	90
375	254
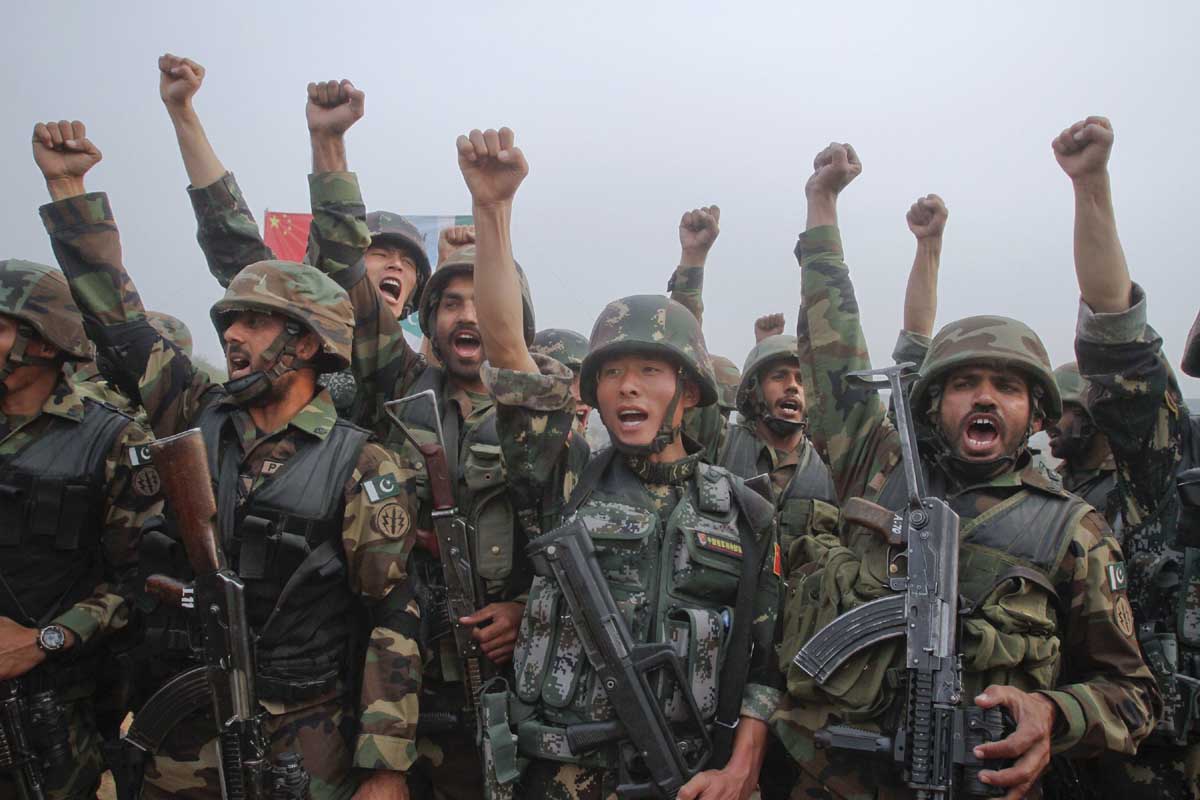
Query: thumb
992	696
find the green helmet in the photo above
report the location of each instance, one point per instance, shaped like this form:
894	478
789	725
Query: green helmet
172	329
38	296
1191	350
388	228
728	380
991	340
652	324
462	262
564	346
772	348
300	293
1072	386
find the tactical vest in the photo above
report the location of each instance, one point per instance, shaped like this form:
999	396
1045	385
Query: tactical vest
676	582
285	541
1095	490
810	481
52	497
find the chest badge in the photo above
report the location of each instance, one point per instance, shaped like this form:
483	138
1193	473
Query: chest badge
719	544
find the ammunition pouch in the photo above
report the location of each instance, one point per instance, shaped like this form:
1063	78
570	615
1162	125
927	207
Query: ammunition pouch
1178	680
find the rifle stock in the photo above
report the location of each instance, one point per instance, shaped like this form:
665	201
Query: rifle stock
181	461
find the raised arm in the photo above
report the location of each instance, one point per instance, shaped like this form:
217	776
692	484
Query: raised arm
698	231
225	227
768	325
927	221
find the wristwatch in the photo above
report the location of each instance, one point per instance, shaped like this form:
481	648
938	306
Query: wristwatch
52	639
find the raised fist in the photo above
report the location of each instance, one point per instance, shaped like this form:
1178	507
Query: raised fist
333	106
833	169
62	150
927	217
768	325
491	165
1082	149
699	228
452	238
178	80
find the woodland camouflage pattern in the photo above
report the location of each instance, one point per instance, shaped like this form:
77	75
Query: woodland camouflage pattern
773	348
728	380
1071	385
38	295
173	392
462	262
1094	673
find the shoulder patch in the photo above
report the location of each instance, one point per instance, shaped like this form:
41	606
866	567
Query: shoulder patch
381	488
139	455
1123	615
1118	581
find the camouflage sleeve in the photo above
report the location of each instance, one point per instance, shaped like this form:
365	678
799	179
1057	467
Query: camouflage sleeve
686	286
848	424
225	228
150	369
133	498
383	362
1107	697
765	681
377	536
1135	402
910	347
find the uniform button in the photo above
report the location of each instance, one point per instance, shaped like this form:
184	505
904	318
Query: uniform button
495	549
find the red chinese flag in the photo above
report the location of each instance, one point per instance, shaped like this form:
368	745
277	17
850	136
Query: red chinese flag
287	234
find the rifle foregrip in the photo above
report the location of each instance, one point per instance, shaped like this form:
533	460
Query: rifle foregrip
590	735
440	485
182	463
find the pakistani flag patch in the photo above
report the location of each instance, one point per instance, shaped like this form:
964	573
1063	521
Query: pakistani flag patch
381	488
1117	579
139	456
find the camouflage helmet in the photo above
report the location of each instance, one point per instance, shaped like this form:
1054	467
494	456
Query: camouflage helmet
655	325
301	293
772	348
462	262
388	228
564	346
1191	350
1072	386
39	296
172	329
990	340
728	379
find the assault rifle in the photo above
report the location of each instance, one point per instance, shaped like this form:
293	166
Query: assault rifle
451	545
33	737
226	680
935	741
623	669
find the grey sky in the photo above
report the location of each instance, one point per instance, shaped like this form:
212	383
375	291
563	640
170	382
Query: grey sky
631	113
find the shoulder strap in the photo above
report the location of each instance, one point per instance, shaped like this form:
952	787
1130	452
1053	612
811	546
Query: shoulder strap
588	480
740	453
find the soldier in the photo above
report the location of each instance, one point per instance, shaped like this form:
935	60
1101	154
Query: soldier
674	535
396	261
313	516
73	504
1087	467
728	379
569	349
1052	642
1136	403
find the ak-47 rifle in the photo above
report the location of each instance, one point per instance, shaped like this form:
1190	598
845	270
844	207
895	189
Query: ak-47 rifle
935	741
33	737
451	545
226	680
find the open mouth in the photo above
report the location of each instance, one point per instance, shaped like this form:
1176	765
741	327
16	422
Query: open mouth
238	364
466	345
391	288
789	408
981	433
630	420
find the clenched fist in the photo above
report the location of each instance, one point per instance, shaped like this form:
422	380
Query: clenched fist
698	229
64	154
768	325
491	165
1082	150
178	80
927	217
452	238
333	106
833	169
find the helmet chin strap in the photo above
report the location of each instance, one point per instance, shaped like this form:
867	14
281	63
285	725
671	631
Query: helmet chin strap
777	426
973	471
19	356
253	388
667	431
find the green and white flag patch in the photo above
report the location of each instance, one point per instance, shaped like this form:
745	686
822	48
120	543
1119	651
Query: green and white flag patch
381	488
1118	581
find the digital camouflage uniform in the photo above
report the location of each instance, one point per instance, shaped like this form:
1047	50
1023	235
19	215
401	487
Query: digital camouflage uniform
339	735
1088	664
1094	482
1135	402
385	367
568	348
73	506
673	559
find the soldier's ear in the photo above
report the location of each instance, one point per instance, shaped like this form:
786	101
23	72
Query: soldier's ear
308	346
40	348
691	394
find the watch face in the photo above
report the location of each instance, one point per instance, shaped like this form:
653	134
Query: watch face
52	638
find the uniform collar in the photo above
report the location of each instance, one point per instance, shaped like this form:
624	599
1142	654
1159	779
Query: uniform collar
317	418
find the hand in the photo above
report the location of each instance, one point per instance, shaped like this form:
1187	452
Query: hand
178	81
492	167
1082	150
501	622
698	229
833	169
1028	745
333	107
452	238
19	651
927	217
769	325
64	154
383	785
718	784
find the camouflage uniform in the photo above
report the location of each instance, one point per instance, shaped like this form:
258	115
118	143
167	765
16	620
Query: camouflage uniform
1087	663
728	379
90	381
385	367
564	346
72	509
1094	482
644	517
1135	402
364	533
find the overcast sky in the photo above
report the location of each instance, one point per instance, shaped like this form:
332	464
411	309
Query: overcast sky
631	113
